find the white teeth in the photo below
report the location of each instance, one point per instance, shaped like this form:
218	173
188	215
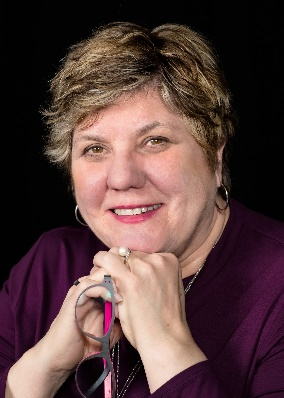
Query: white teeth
137	210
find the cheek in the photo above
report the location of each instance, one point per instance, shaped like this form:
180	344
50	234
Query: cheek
88	185
187	175
169	175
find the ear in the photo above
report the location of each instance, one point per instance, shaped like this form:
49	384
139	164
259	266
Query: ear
218	172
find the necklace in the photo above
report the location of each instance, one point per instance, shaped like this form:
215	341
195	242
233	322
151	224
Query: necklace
139	364
133	373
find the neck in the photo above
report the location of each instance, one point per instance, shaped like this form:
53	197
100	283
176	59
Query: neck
194	261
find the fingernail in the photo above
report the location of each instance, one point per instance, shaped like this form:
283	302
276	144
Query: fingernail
82	299
118	297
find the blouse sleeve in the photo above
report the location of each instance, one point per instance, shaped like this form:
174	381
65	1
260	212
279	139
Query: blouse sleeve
199	381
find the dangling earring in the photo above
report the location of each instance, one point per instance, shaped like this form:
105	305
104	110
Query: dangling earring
224	196
77	217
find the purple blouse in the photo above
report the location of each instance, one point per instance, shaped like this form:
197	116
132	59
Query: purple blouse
235	310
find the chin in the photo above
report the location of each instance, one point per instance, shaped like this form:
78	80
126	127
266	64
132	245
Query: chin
134	240
135	245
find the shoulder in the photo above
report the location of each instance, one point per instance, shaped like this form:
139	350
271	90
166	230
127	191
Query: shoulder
251	243
66	251
254	241
67	244
258	223
54	261
79	234
69	239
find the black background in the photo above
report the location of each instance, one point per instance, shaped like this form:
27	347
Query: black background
248	38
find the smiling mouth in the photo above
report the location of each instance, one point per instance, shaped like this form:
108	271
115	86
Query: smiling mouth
136	210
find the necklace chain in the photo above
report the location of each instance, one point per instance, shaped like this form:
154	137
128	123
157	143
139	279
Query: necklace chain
135	370
194	277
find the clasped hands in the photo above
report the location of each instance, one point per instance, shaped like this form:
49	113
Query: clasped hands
149	307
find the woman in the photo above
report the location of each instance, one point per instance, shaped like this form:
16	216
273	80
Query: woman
140	121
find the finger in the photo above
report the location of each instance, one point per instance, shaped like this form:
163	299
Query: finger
114	250
82	299
95	290
98	274
123	253
111	261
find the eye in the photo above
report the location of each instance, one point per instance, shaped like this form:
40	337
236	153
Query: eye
96	149
93	150
153	141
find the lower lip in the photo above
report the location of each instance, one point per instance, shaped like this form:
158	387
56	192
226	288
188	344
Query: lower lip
136	218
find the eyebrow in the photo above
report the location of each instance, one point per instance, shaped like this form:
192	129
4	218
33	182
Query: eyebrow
97	137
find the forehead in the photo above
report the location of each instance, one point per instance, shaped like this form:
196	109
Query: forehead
135	110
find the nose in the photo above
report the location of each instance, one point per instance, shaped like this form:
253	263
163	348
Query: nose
126	171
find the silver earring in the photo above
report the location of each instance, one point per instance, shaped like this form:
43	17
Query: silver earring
77	217
225	196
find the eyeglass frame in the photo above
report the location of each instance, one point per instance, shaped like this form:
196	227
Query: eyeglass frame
104	340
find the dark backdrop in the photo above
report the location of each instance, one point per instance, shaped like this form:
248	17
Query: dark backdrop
249	40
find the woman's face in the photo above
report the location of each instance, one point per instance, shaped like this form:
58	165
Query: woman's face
140	178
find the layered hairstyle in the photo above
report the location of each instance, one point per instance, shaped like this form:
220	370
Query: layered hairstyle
121	58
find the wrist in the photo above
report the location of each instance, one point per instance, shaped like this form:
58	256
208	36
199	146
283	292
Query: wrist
32	376
167	360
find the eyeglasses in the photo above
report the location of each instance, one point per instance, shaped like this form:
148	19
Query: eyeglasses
95	318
